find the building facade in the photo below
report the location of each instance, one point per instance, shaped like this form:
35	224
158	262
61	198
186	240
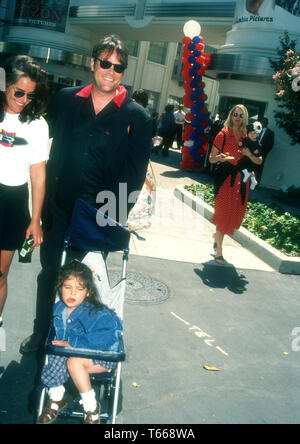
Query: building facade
60	34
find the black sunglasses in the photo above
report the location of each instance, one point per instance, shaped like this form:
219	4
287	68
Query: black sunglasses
238	115
20	94
105	64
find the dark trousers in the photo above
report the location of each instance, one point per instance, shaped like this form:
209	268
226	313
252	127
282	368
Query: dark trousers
54	227
178	135
166	144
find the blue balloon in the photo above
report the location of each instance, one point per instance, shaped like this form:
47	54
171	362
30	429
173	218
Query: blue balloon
196	39
191	60
193	150
191	46
197	53
197	157
199	90
195	109
200	104
195	122
198	78
194	96
199	143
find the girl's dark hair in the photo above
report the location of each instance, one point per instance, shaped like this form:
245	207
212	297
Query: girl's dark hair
109	44
84	274
25	66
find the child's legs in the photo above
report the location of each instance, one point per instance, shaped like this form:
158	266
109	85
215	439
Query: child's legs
80	370
55	372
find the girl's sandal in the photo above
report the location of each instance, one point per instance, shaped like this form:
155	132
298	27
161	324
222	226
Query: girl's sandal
220	260
93	417
51	411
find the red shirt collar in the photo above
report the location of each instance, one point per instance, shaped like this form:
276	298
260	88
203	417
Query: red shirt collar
118	99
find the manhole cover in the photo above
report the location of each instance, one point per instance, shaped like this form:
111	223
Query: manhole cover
142	289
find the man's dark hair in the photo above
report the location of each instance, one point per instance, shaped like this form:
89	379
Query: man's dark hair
25	66
169	108
109	44
141	96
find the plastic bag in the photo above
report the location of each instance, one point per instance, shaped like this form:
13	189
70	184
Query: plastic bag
140	215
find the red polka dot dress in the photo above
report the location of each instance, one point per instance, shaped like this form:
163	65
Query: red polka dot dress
229	207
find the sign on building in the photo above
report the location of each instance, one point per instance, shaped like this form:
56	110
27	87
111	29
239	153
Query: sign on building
46	14
249	12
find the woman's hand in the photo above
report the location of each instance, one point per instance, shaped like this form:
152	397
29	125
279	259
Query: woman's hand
35	230
246	152
257	160
216	156
61	343
223	158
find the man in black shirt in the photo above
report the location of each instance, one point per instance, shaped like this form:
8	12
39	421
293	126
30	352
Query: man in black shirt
266	140
101	145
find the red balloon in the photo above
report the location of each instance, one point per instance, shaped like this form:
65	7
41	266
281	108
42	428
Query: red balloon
200	46
188	102
185	75
186	40
189	117
188	89
186	53
200	60
188	129
185	149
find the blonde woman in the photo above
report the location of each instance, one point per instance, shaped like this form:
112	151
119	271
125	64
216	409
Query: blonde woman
231	193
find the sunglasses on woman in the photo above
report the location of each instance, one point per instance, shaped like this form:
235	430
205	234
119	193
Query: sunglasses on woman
238	115
19	94
105	64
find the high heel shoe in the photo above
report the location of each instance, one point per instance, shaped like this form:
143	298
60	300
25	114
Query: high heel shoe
220	260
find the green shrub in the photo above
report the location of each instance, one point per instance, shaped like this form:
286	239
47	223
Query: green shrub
270	223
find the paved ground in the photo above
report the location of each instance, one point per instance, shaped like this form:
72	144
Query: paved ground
179	233
238	318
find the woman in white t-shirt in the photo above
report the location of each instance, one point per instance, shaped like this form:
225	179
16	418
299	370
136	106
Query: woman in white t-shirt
24	147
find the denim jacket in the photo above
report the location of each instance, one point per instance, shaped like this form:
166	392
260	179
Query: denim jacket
87	328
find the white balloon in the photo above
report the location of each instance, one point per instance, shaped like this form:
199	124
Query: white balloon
192	29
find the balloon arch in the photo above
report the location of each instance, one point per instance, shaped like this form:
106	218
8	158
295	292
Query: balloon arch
195	63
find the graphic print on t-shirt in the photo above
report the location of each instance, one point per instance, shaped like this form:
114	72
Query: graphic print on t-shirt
10	139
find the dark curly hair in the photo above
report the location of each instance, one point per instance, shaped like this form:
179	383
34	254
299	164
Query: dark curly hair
109	44
25	66
84	274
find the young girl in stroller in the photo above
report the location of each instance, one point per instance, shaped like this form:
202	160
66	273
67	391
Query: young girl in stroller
79	321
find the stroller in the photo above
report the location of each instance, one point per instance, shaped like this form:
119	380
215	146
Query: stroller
98	239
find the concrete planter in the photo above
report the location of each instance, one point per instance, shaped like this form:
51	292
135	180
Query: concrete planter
267	253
